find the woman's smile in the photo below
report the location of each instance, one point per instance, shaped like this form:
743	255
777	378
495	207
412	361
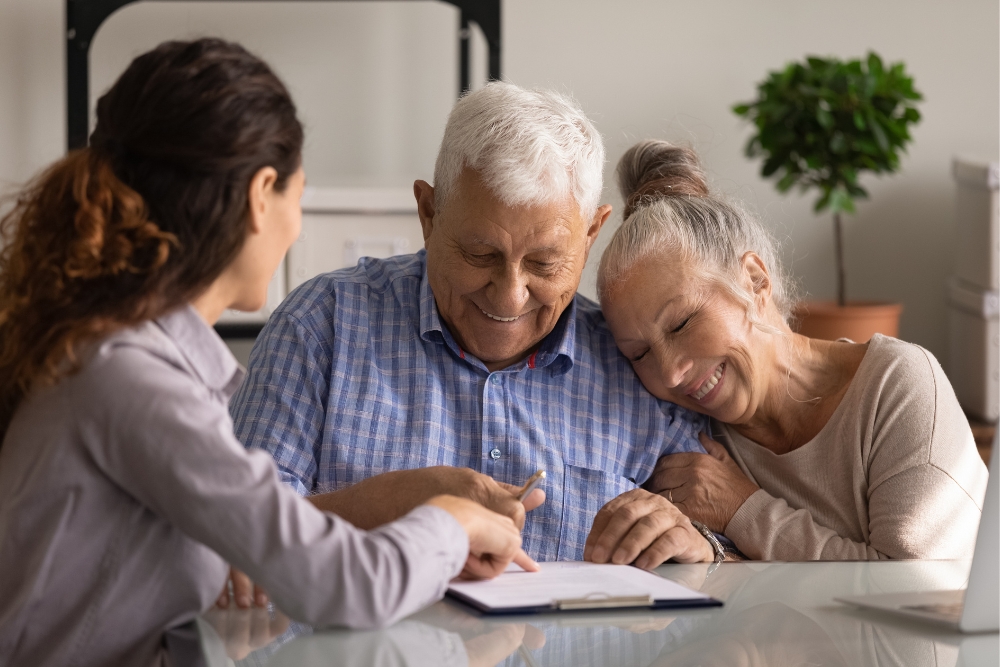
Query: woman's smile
709	388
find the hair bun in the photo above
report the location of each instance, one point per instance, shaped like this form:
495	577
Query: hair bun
654	168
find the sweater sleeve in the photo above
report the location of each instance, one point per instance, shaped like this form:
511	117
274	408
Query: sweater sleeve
921	512
768	528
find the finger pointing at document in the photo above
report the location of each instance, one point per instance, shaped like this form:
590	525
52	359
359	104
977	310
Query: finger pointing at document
494	540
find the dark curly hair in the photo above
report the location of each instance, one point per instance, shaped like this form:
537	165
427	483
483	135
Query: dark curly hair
146	217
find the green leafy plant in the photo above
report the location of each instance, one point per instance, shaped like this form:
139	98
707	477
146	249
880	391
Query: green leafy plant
821	123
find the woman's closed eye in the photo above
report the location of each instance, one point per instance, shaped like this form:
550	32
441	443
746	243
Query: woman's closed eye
638	357
681	325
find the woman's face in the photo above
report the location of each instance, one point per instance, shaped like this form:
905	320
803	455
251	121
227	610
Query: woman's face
286	215
689	341
277	221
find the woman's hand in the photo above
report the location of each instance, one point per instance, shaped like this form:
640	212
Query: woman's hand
706	487
245	593
243	631
494	540
500	641
644	528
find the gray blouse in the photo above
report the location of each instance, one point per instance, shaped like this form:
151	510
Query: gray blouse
124	494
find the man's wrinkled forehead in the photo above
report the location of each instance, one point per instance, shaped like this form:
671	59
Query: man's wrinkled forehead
476	215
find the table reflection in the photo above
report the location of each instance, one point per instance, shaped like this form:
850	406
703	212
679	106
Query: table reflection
775	615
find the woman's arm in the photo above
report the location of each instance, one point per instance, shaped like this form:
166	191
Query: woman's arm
712	489
765	527
926	481
165	441
920	512
917	477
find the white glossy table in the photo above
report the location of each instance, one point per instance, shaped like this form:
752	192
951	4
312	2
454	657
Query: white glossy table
775	614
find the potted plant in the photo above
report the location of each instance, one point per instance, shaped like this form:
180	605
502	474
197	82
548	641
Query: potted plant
819	125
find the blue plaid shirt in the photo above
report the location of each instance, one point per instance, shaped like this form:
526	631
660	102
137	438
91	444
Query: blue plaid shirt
355	375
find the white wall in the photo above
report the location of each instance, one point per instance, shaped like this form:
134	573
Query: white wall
374	82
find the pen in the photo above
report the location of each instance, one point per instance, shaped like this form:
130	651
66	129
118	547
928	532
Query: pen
526	656
530	485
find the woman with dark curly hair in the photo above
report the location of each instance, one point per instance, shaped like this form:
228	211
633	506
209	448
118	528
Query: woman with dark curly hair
123	492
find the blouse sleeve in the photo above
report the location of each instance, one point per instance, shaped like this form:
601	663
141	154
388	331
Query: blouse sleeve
170	445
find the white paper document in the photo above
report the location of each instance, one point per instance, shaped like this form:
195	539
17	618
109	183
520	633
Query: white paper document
519	590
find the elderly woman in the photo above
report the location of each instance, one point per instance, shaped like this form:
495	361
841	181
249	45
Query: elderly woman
829	450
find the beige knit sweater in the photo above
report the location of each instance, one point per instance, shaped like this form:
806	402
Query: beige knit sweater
893	474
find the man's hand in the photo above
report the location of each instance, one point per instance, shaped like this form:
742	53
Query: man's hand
389	496
246	594
645	529
707	487
494	540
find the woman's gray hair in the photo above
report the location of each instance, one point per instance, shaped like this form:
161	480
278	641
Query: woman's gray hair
530	147
668	210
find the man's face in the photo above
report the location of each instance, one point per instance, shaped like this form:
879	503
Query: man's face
502	275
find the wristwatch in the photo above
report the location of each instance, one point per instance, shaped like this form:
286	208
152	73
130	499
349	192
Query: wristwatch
720	552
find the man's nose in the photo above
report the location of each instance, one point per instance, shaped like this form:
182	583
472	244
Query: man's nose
510	290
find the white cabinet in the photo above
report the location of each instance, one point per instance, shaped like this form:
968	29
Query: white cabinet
974	348
977	223
339	227
973	297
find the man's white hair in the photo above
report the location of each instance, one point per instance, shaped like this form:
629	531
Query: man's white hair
530	147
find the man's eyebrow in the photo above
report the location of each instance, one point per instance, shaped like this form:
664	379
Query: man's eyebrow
479	241
550	250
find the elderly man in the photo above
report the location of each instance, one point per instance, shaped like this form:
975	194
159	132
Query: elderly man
464	368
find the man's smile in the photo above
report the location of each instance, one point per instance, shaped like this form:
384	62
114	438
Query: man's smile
498	318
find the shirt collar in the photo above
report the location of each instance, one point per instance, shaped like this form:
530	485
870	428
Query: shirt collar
430	321
558	346
203	349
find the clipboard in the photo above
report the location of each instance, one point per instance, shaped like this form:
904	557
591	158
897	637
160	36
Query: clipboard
574	586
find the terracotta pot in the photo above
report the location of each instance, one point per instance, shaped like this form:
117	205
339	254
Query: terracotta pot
858	320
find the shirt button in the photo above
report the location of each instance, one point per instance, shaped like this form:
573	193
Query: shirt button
494	453
495	379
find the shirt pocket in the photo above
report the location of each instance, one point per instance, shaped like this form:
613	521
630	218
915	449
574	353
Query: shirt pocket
585	491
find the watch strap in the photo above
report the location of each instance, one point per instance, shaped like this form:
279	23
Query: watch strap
720	552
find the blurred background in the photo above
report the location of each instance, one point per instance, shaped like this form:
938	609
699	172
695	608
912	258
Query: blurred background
375	80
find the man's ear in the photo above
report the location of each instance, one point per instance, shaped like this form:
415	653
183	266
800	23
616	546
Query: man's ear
757	276
602	215
259	196
424	193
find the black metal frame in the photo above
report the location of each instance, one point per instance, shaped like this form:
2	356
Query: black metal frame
84	17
